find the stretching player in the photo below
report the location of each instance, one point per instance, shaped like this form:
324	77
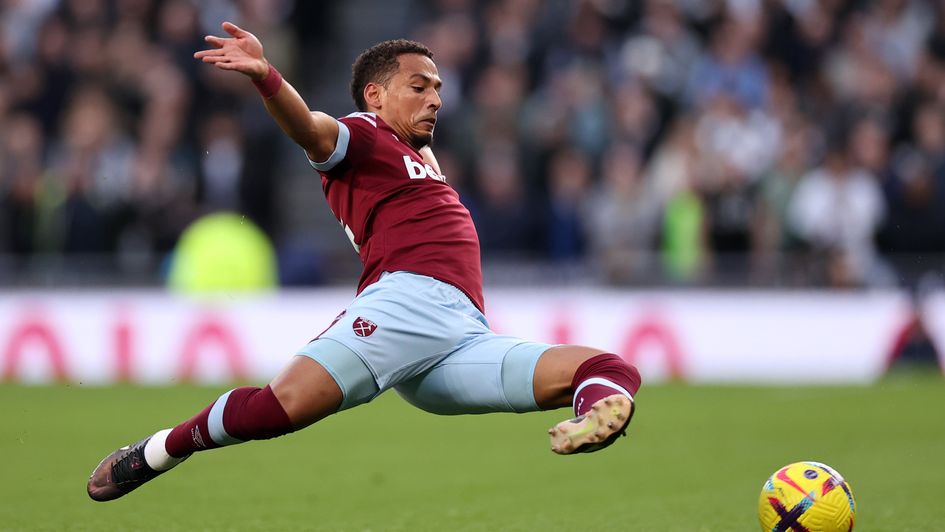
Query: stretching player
416	324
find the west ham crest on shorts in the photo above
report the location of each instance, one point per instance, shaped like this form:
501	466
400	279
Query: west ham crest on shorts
363	327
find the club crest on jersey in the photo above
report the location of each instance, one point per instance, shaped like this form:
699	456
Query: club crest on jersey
363	327
420	171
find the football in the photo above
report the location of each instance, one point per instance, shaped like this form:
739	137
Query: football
806	497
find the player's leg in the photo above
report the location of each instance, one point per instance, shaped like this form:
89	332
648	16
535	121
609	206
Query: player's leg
327	378
490	373
493	373
599	386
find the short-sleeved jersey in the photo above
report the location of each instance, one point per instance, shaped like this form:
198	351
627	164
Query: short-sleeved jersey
398	212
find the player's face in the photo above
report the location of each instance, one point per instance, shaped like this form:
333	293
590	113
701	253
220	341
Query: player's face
412	99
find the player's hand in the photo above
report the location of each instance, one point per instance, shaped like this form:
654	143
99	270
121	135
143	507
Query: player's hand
242	52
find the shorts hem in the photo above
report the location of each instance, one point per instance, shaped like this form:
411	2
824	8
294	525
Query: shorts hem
352	370
520	367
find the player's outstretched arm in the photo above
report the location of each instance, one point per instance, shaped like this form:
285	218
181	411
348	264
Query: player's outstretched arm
316	133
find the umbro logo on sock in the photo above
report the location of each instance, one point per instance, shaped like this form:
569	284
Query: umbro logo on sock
198	439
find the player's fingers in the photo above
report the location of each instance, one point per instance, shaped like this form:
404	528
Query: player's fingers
200	54
215	41
234	30
238	67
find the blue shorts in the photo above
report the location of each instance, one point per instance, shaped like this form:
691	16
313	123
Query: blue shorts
426	339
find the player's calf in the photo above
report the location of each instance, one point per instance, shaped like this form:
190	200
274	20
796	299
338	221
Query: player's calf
604	387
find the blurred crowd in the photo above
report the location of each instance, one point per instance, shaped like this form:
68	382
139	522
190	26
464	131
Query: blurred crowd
790	141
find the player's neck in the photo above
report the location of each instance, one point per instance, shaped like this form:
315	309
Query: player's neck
403	136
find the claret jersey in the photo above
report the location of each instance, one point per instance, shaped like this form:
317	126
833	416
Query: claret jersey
399	214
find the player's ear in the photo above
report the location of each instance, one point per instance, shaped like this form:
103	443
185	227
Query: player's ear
374	95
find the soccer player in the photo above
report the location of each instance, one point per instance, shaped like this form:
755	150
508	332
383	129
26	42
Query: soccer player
417	323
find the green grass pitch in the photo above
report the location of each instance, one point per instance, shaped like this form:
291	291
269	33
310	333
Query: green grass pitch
695	461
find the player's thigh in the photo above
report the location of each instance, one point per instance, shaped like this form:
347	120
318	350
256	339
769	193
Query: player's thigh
489	373
353	380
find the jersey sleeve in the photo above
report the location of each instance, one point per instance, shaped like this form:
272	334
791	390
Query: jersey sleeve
357	133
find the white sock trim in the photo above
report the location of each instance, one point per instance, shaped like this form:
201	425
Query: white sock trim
155	455
602	382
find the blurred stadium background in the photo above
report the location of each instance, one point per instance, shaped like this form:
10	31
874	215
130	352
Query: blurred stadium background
743	143
603	146
725	191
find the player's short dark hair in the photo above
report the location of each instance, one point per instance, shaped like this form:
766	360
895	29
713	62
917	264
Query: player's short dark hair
378	63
